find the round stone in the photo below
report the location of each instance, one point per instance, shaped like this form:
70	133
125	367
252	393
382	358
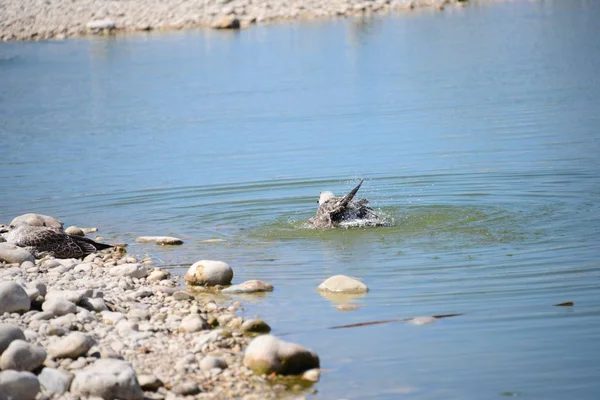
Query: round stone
267	354
8	334
18	385
209	273
71	346
22	356
343	284
13	298
58	306
12	254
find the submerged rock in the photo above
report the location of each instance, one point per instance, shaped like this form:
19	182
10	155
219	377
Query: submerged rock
252	286
343	284
267	354
421	320
162	240
209	273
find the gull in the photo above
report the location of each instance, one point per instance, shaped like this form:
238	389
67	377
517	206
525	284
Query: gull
42	240
335	211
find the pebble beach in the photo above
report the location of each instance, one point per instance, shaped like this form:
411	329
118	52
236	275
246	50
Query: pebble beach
59	19
115	326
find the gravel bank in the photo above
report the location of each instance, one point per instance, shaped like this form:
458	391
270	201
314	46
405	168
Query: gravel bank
59	19
113	325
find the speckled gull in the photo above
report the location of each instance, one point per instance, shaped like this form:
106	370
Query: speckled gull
41	241
339	211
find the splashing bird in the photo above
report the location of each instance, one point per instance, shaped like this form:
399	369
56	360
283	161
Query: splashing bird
334	211
41	241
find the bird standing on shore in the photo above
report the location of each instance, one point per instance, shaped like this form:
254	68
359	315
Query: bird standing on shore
334	210
41	241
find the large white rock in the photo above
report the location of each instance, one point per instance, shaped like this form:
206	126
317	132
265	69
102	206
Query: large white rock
13	298
100	25
18	385
107	378
267	354
161	240
8	334
22	356
59	306
209	273
134	270
71	346
11	254
74	296
32	219
343	284
193	323
56	381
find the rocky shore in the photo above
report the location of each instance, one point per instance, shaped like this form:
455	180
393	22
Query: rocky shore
114	326
59	19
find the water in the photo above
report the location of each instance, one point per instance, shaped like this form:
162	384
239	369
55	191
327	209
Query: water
477	130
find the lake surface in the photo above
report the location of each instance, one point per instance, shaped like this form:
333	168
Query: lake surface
477	130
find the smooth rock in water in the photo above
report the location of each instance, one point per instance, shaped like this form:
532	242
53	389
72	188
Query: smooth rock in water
347	307
59	306
134	270
255	326
210	273
107	378
343	284
22	356
226	22
8	334
210	362
421	320
13	298
252	286
267	354
100	25
56	381
312	375
72	346
32	219
193	323
11	254
16	385
162	240
157	276
75	231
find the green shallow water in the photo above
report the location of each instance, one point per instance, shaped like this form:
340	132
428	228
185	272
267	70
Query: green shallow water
476	129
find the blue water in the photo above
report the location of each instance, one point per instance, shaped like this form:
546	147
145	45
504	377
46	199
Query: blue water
477	130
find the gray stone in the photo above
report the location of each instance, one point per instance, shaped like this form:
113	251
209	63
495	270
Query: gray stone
71	346
22	356
44	315
193	323
8	334
40	286
138	314
93	304
252	286
32	293
161	240
13	298
343	284
158	275
149	383
112	317
16	385
267	354
74	296
59	306
107	378
55	380
32	219
11	254
186	388
134	270
182	295
210	362
209	273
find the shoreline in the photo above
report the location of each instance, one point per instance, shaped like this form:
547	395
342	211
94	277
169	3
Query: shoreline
26	20
148	334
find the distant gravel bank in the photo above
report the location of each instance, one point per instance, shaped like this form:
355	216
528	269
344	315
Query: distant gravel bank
59	19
